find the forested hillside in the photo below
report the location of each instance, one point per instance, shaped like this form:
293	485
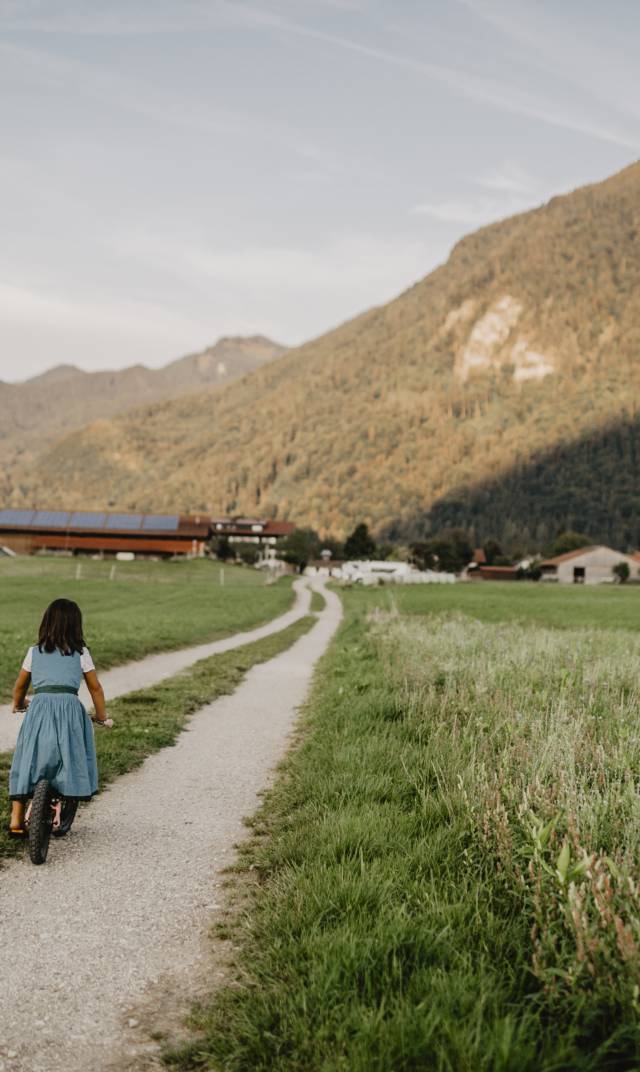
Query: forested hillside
524	346
590	486
66	397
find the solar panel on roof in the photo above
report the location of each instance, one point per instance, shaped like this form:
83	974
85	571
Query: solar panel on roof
161	522
50	519
124	521
87	520
16	517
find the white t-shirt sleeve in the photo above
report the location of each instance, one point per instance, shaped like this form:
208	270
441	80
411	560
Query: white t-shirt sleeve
27	661
86	662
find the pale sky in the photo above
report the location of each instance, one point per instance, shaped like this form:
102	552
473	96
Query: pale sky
176	170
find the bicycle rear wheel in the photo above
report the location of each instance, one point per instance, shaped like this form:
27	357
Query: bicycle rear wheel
40	822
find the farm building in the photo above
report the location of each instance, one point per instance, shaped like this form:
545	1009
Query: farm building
494	573
588	565
97	532
479	570
251	530
92	532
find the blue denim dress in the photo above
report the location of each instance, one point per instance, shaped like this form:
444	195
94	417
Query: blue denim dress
56	736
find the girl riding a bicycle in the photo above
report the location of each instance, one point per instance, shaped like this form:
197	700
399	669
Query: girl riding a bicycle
56	738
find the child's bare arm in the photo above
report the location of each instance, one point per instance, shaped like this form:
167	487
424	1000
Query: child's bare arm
20	690
97	695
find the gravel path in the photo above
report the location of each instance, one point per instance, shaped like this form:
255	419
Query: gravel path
146	672
116	922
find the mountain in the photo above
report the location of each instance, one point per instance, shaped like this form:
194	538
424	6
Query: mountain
525	343
65	397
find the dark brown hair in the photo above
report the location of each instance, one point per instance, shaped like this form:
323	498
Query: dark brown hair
61	628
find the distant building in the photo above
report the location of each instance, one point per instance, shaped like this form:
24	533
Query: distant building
588	565
251	529
380	572
494	573
479	570
98	532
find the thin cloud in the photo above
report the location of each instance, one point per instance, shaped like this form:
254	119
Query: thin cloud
353	261
131	18
472	211
501	95
138	98
512	190
24	304
557	48
103	21
490	91
509	178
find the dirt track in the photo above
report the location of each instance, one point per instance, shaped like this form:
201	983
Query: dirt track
116	922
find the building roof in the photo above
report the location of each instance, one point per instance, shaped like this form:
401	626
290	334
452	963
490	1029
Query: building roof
104	523
497	571
279	528
259	526
568	555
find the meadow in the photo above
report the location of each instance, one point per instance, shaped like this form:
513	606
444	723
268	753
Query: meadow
146	607
559	606
447	873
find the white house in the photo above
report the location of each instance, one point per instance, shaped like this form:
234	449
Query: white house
588	565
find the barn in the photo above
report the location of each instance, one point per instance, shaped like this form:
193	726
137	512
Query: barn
588	565
96	532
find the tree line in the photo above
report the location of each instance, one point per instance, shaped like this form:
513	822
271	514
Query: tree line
449	550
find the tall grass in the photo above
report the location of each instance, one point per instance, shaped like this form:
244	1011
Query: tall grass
536	736
448	873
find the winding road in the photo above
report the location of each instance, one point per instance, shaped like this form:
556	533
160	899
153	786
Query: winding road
108	940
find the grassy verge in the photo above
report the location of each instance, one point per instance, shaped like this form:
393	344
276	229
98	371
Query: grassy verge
447	874
151	719
148	607
318	603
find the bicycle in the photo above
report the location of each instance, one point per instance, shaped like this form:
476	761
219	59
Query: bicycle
49	812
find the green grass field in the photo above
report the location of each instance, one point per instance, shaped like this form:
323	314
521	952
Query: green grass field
447	874
560	606
148	606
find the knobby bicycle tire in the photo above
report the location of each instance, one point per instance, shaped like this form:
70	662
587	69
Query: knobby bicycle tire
40	822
